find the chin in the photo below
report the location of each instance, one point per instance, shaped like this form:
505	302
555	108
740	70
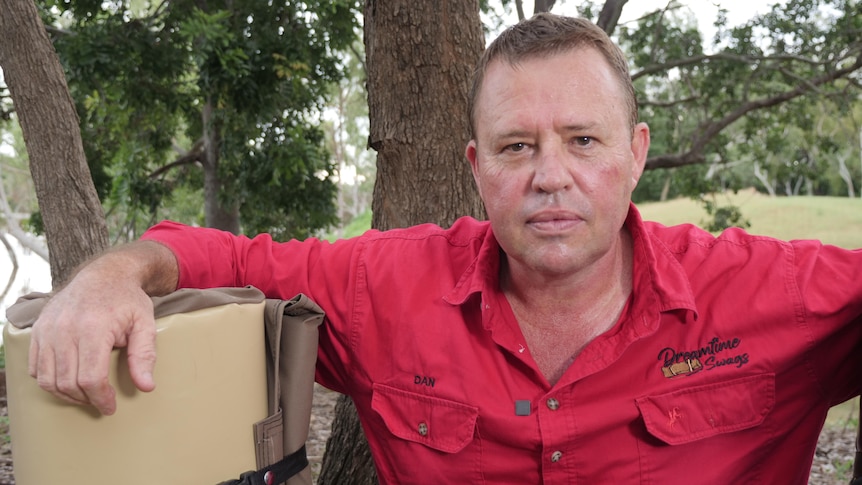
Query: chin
555	264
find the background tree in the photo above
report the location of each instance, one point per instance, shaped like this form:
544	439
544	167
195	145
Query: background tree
716	103
347	135
166	89
218	97
73	220
17	202
419	59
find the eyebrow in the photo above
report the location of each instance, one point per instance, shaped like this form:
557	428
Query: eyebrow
519	133
580	127
513	134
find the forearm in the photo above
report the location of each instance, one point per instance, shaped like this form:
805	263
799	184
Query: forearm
149	264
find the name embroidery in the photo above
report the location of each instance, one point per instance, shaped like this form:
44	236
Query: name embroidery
716	353
423	381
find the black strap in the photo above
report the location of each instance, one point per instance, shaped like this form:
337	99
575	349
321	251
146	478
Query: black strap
276	473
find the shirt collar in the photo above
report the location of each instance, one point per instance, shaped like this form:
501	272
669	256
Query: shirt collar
482	274
659	281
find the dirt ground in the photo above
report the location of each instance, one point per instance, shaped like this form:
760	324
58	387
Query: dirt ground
832	461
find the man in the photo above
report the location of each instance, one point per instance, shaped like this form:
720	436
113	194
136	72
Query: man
565	341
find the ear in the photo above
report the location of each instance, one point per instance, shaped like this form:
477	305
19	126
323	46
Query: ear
471	152
640	149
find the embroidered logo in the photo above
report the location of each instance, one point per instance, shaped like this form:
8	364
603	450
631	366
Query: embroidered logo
716	353
690	366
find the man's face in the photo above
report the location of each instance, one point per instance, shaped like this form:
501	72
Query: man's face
555	160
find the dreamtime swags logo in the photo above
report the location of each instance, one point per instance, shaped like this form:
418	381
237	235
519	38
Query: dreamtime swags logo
716	353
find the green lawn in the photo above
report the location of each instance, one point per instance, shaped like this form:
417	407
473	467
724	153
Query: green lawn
834	220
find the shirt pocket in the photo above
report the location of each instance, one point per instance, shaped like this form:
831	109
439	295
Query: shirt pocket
431	439
692	426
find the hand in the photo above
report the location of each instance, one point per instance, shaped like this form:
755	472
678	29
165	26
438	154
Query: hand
71	342
104	307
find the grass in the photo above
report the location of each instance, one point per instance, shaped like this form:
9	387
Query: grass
833	220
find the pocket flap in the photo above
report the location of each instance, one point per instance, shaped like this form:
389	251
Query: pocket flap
699	412
440	424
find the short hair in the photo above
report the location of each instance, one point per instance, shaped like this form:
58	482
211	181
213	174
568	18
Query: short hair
545	35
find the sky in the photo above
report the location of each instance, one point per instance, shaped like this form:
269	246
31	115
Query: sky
704	10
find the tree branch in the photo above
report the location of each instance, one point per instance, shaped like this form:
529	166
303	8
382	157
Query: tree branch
191	157
610	15
667	104
519	6
543	6
742	59
15	230
708	131
14	259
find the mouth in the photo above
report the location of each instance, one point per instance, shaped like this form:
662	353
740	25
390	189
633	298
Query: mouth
553	222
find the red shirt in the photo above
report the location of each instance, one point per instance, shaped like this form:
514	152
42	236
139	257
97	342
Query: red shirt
720	370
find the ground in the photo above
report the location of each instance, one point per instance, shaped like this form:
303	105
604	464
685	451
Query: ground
832	461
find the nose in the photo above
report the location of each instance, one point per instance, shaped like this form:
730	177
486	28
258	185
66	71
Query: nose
551	173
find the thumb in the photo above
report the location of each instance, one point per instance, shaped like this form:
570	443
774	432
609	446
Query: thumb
142	352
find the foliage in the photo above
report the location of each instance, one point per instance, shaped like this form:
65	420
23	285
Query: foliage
346	128
754	92
721	216
148	77
142	74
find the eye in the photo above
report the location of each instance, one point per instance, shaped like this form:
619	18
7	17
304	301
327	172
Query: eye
582	141
516	147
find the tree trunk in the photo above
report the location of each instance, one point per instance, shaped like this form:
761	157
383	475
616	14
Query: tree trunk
540	6
610	15
419	58
216	214
74	222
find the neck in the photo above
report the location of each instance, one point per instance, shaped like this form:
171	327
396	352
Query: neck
558	317
604	284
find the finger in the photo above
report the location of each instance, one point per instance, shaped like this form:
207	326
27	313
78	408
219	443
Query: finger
46	376
41	367
94	363
142	352
66	375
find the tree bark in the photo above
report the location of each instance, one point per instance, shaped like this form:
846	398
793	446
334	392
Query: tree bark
419	57
610	15
540	6
74	222
216	214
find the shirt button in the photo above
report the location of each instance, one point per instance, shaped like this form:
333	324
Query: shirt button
555	456
423	429
553	404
